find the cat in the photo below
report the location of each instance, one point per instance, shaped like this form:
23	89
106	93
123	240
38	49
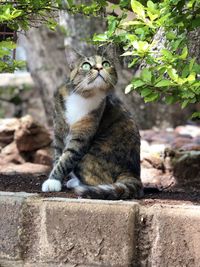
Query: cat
96	141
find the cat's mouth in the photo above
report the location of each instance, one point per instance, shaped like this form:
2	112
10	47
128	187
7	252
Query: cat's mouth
98	76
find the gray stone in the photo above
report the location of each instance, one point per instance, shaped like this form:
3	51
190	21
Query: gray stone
81	232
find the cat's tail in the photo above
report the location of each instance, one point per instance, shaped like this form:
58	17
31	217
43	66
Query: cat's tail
127	189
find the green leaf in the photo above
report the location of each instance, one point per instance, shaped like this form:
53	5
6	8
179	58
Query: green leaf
133	62
169	99
170	35
127	53
137	83
132	23
196	115
185	71
151	97
173	74
112	24
100	37
7	44
152	16
139	31
163	83
167	54
185	103
192	63
138	8
145	92
184	53
146	75
152	7
191	77
195	22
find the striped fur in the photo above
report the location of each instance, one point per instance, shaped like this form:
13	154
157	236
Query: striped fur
96	139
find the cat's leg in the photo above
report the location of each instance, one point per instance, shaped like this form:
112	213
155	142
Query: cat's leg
54	184
80	137
73	181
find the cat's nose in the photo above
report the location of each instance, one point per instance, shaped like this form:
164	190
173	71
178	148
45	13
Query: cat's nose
98	67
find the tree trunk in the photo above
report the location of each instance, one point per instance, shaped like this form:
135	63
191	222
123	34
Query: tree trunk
46	63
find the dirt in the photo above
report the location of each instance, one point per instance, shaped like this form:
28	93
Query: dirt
32	184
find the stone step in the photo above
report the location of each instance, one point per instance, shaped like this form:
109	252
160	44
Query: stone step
36	231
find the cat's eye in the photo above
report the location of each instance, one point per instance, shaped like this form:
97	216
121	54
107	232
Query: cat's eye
86	66
106	64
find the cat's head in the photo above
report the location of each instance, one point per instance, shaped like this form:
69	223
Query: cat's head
91	73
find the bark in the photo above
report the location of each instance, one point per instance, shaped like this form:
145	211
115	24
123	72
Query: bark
46	63
194	44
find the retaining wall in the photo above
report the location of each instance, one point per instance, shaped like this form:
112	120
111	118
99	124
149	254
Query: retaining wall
41	232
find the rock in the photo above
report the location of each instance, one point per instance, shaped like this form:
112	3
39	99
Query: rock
179	142
7	130
186	169
43	156
158	148
25	168
31	135
11	154
147	134
191	146
191	130
144	147
158	137
197	140
154	178
155	161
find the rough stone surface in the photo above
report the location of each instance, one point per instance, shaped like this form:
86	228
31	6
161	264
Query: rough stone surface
43	156
169	236
31	135
91	234
48	232
7	129
6	263
26	168
10	227
186	169
11	154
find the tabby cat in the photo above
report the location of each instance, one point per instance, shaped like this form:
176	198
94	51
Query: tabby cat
97	143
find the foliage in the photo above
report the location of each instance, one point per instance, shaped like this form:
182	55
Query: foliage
20	15
169	72
7	64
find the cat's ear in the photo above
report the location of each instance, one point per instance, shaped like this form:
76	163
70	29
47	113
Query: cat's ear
72	56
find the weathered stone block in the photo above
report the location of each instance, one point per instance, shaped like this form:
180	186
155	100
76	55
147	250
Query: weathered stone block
14	263
88	233
170	236
10	226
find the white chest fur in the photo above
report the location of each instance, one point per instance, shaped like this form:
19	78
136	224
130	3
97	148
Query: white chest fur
77	107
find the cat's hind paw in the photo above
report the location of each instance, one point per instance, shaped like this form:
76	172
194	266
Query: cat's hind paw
51	185
72	183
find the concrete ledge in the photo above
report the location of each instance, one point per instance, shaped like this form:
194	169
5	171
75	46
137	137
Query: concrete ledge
67	231
169	235
41	232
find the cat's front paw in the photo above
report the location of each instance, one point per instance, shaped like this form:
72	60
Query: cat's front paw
51	185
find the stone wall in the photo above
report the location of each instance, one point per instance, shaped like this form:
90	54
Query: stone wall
41	232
